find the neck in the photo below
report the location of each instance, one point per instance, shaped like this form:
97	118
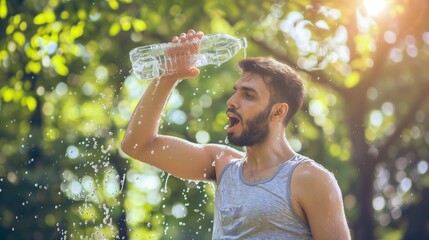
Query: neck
272	152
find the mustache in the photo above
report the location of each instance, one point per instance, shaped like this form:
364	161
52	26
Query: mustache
233	111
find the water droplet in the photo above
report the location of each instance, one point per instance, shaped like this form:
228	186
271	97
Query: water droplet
165	185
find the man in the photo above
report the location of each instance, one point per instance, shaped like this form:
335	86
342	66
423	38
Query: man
267	192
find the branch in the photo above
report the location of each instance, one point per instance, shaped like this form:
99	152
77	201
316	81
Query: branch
418	102
318	76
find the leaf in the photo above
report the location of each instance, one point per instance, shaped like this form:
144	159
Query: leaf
3	55
113	4
19	38
125	23
3	9
47	16
62	69
364	43
33	67
59	66
8	94
352	80
114	29
139	25
77	30
31	103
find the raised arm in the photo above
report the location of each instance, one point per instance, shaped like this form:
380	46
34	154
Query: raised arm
176	156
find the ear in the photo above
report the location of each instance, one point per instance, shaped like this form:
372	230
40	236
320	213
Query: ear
280	111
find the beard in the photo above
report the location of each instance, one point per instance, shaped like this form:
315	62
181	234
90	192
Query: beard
255	130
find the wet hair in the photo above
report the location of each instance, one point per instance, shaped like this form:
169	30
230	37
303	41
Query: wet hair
283	82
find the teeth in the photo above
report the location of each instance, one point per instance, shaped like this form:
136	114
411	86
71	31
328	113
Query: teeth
233	121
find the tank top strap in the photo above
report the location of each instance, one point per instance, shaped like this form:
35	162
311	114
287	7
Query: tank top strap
289	166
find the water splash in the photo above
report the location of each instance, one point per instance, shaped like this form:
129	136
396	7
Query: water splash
165	189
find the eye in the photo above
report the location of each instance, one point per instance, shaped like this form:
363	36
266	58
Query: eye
247	95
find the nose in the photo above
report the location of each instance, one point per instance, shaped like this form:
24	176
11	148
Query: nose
232	102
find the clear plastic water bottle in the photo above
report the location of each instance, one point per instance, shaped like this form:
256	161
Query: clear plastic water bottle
149	62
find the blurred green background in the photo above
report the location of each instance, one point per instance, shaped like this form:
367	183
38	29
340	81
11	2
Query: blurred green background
67	92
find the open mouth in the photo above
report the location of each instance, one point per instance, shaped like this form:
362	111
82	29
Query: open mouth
233	121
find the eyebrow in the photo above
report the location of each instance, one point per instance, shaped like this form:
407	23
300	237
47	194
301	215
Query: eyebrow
244	88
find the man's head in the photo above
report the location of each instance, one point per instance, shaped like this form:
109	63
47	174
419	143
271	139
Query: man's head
267	91
283	82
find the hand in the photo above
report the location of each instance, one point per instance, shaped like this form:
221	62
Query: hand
182	55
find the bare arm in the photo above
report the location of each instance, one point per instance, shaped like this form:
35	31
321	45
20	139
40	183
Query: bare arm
173	155
318	195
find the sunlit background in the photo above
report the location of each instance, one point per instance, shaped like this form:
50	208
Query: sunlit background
67	92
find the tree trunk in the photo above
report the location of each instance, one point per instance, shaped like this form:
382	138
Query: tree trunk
363	228
35	151
364	225
121	222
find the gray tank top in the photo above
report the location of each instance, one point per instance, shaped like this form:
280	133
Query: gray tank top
259	210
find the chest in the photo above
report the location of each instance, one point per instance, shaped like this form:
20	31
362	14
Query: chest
262	210
258	176
253	204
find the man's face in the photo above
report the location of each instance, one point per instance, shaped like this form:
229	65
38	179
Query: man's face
248	111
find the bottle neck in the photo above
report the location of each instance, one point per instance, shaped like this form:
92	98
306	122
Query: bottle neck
243	42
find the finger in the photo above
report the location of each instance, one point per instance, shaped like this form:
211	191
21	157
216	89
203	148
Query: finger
183	37
194	47
191	33
175	39
194	71
190	36
199	34
196	42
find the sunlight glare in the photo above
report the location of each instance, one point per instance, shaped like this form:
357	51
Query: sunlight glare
374	7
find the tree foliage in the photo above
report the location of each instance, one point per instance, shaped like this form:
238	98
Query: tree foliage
66	94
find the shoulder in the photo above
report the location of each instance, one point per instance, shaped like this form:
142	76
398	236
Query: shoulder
309	171
318	198
222	156
313	182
